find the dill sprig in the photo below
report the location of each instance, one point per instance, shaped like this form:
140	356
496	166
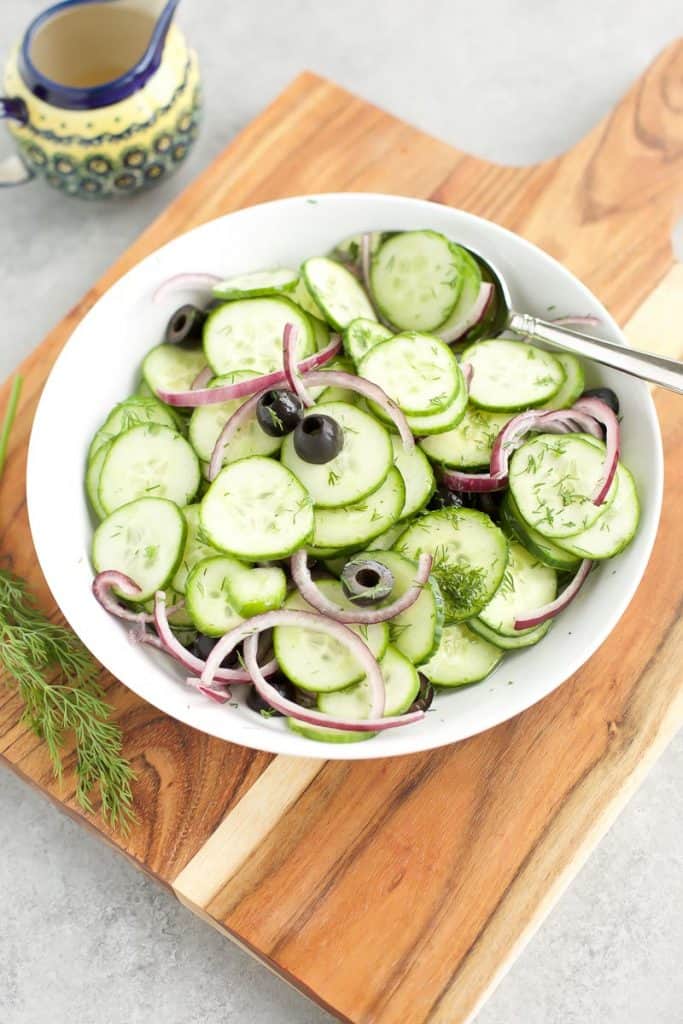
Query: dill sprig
35	653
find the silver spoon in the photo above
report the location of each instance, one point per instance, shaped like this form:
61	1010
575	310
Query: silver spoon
666	372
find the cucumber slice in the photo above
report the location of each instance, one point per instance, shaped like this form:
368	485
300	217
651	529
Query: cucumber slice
257	283
469	444
526	586
470	556
316	661
418	371
305	301
144	540
255	590
541	547
354	525
614	530
324	396
207	596
92	479
336	291
401	682
349	249
358	469
572	386
207	421
256	509
131	413
361	335
386	540
469	292
247	335
528	638
143	390
416	279
438	422
553	478
511	375
321	333
322	734
148	461
418	478
462	658
172	368
196	549
416	631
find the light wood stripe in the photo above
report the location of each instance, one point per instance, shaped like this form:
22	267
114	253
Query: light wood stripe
244	829
657	325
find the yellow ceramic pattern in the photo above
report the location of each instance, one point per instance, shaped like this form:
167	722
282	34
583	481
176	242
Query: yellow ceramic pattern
117	149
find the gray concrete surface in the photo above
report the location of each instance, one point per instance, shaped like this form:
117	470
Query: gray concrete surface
84	938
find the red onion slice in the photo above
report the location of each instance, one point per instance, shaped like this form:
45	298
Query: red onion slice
577	321
202	378
601	412
472	316
468	373
294	381
233	424
551	421
549	611
302	620
508	439
288	707
222	696
369	616
174	647
341	379
185	282
102	589
456	480
244	388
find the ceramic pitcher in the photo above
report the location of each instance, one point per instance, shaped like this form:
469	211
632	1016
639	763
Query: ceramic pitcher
101	97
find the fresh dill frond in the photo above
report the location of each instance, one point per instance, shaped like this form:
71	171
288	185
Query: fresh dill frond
33	651
462	585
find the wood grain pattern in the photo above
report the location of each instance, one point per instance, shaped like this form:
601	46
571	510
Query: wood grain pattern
397	891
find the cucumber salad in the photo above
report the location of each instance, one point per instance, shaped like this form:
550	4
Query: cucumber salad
335	492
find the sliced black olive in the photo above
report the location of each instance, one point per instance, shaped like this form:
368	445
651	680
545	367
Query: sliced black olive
318	439
366	581
605	395
305	699
202	646
443	498
278	412
255	701
425	696
484	501
185	327
489	502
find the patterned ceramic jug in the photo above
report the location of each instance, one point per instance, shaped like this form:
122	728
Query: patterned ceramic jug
102	97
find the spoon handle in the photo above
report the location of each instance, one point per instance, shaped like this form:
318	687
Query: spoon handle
666	372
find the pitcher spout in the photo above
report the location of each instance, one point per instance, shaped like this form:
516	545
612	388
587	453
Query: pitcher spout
84	54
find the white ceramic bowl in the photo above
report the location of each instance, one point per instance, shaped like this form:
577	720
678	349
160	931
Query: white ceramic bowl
100	365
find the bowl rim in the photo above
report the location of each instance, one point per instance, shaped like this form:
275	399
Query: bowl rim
270	741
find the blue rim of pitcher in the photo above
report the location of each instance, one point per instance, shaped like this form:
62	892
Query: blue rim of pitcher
104	95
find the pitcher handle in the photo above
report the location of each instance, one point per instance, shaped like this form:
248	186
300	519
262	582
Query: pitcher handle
13	170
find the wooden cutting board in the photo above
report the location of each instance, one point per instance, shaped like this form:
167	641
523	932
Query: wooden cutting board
401	890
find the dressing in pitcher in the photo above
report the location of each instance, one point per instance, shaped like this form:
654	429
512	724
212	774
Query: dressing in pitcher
102	97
